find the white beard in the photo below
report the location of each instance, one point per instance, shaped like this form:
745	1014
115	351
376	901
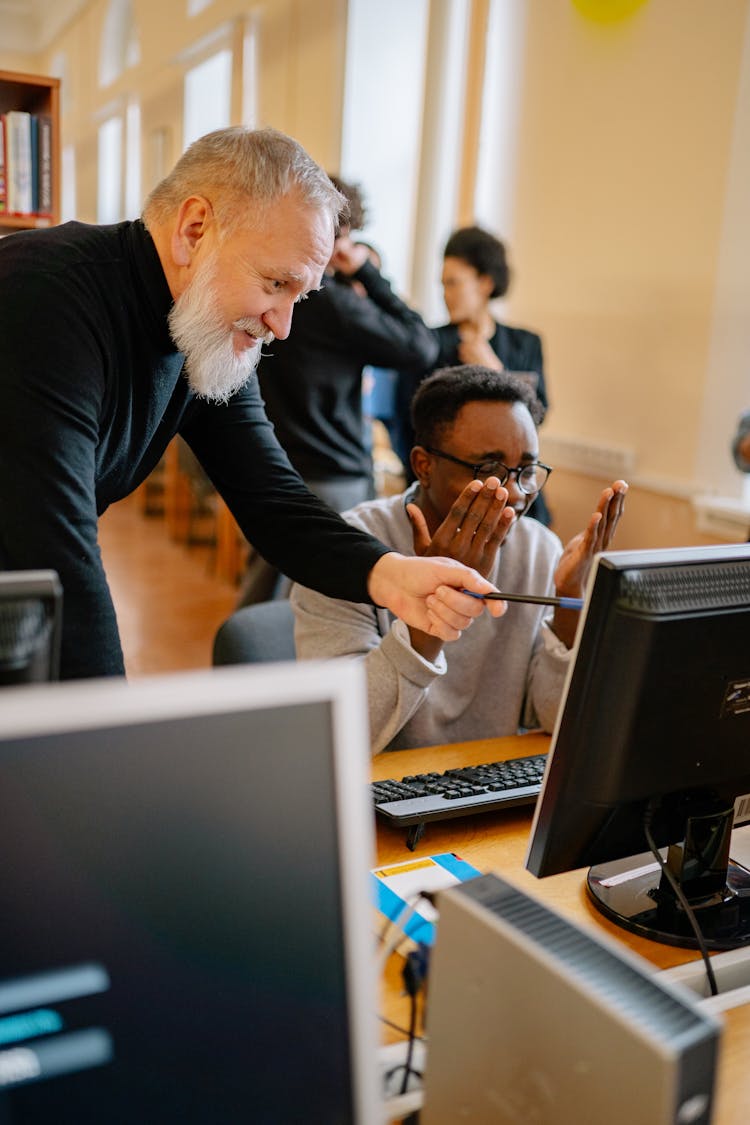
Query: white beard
214	371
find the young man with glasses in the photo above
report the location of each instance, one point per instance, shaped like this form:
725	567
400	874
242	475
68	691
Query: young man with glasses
477	468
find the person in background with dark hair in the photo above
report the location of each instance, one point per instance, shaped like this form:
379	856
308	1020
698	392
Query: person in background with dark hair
741	443
477	470
476	272
311	382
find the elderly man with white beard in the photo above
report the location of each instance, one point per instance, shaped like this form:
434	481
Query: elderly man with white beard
113	339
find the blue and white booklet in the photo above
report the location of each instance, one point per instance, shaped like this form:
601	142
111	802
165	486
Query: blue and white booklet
400	889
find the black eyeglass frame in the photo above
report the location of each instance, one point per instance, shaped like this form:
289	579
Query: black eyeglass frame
487	469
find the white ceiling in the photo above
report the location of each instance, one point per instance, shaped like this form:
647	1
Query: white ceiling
29	26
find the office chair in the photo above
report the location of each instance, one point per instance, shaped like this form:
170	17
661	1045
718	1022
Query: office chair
256	633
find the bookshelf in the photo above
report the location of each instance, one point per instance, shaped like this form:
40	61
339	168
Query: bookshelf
37	95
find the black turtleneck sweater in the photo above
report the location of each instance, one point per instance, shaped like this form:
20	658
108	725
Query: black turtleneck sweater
91	393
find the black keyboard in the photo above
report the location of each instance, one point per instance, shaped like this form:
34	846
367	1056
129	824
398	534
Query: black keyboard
416	799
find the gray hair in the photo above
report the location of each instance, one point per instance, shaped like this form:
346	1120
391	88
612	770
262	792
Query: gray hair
240	171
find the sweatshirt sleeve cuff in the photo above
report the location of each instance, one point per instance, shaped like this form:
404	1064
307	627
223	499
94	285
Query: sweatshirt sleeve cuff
396	646
553	646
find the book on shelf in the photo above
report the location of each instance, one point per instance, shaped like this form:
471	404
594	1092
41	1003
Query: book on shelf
44	146
3	200
26	183
34	157
18	161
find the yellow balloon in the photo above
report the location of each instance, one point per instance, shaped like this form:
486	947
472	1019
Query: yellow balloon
607	11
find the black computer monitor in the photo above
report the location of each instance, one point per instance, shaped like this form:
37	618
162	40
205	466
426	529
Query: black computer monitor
655	723
30	625
186	930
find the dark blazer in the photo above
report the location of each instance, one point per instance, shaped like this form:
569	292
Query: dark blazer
517	349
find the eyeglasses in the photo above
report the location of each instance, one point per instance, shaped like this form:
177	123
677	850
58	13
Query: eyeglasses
531	477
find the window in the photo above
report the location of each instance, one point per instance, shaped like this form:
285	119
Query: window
119	46
498	140
250	72
442	134
133	195
382	121
109	196
207	96
119	164
68	202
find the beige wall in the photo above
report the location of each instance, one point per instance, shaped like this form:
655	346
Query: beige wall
626	137
650	520
18	61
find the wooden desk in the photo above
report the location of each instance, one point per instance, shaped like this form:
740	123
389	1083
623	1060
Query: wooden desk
497	842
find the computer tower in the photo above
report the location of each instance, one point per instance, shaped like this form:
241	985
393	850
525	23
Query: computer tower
532	1019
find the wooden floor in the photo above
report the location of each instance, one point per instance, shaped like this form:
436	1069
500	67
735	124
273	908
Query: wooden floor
169	605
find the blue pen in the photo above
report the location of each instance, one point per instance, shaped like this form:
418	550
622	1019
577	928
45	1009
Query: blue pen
563	603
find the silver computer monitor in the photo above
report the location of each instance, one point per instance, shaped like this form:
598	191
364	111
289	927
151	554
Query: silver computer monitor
184	893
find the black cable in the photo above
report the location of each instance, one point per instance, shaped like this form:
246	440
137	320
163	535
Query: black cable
398	1028
402	1066
414	973
406	1066
410	1046
680	894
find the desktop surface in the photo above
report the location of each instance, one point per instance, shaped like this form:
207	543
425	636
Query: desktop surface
498	842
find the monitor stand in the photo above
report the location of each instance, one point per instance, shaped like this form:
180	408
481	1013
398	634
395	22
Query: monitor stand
635	894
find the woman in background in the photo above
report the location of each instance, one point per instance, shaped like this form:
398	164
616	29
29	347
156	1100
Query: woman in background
475	272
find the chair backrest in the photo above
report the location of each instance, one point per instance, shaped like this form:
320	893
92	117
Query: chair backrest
256	634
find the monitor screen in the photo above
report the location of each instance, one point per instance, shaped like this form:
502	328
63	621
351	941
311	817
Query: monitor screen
30	625
654	731
184	892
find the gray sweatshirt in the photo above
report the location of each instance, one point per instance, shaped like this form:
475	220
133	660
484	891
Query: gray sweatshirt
501	675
